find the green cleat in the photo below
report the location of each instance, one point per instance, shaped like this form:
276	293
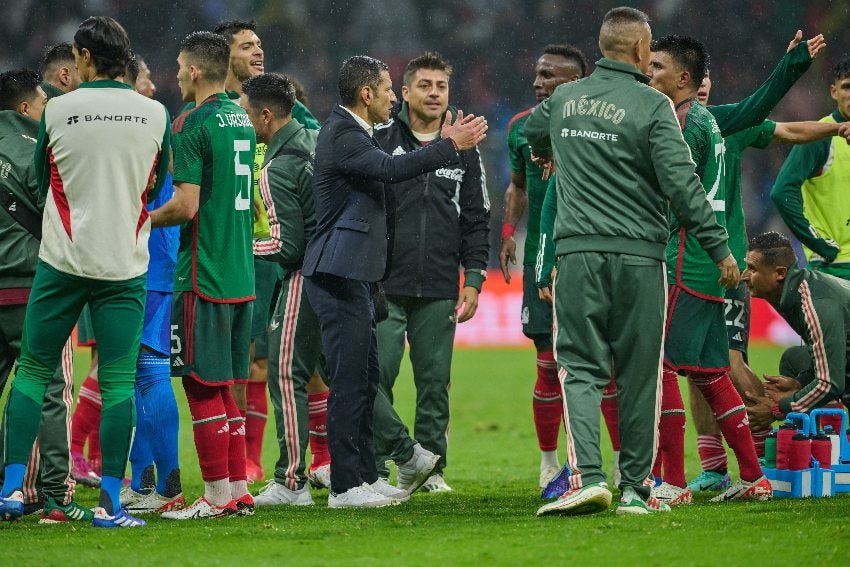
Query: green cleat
55	513
632	503
589	499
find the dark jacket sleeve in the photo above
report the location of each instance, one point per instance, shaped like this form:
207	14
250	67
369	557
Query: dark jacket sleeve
474	221
677	178
42	164
804	161
281	183
357	155
754	109
546	252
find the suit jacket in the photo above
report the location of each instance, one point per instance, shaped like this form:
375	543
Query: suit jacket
352	232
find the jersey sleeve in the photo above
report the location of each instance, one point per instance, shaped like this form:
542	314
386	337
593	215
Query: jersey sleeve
804	161
162	159
516	157
546	251
188	145
762	135
695	136
303	115
536	130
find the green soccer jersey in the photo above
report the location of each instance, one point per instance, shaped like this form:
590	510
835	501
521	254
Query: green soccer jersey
519	154
688	265
756	137
214	147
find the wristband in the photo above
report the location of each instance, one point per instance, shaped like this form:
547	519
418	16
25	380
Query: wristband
508	230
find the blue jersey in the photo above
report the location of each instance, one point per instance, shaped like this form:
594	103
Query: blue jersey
162	246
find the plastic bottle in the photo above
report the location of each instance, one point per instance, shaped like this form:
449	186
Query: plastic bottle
822	450
770	450
801	452
783	445
835	440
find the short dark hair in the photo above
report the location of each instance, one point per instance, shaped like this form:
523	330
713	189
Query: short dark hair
357	72
841	70
229	28
54	55
17	86
210	52
689	54
430	60
107	42
775	249
624	14
274	91
569	52
134	65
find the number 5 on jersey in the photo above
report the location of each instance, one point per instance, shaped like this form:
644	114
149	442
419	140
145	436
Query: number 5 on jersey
243	171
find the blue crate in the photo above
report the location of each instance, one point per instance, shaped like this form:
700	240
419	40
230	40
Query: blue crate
792	484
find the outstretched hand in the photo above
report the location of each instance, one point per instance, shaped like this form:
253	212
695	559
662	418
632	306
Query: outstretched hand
815	44
466	132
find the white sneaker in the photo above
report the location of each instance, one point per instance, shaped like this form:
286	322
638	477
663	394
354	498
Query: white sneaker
128	497
547	473
362	496
413	473
618	477
275	494
320	477
202	508
153	503
436	483
384	488
672	495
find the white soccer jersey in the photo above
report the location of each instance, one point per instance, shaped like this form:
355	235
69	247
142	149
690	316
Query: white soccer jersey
100	146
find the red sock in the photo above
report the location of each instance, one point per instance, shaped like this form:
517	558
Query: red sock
611	413
547	405
712	454
317	411
86	418
758	440
210	427
255	420
236	443
671	430
726	404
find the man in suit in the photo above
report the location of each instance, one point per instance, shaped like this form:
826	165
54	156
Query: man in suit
348	255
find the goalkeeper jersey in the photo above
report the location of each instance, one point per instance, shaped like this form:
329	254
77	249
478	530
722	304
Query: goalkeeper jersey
519	155
214	146
688	265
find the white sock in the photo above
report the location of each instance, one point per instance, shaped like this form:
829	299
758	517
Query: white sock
549	459
217	492
238	488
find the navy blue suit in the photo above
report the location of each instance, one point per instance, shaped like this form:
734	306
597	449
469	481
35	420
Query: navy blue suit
343	261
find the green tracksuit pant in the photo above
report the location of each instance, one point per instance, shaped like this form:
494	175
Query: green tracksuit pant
49	467
429	327
55	303
609	317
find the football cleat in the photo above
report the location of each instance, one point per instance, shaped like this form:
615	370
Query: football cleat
254	472
82	472
244	505
709	480
320	477
547	473
672	495
129	497
384	488
632	503
120	520
55	513
12	506
759	489
590	499
362	496
201	509
275	494
413	473
436	483
153	503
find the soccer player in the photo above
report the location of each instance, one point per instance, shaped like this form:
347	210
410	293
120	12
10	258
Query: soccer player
155	442
737	309
214	286
286	189
247	60
441	221
621	167
97	153
817	306
558	64
47	484
810	190
58	72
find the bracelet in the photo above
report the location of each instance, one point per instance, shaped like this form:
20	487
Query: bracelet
508	230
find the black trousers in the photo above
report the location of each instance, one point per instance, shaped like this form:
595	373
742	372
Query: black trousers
346	316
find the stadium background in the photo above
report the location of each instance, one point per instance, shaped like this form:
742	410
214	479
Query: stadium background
493	45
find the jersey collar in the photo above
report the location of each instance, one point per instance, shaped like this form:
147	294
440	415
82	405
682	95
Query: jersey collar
105	84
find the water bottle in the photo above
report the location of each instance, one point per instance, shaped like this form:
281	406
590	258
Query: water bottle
801	452
783	445
770	450
822	450
835	440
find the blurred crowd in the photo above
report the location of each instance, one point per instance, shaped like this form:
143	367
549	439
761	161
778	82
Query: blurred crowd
492	44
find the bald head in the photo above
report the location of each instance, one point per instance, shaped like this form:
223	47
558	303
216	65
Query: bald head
625	36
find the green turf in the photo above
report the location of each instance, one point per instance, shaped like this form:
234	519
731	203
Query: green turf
489	519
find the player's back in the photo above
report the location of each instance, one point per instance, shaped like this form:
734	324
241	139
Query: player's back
214	147
519	155
103	143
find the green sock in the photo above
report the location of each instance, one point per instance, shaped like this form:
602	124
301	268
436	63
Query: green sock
23	416
116	433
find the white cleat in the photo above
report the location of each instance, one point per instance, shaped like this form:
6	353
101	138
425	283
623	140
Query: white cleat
320	477
413	473
128	497
672	495
384	488
202	509
153	503
362	496
436	483
547	473
276	494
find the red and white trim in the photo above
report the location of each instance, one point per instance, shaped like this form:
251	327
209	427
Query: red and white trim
285	382
272	244
822	386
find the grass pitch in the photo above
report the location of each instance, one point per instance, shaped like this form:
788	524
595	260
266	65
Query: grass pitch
488	519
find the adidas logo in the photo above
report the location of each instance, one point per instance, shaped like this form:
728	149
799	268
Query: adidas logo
274	325
399	151
177	361
13	207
